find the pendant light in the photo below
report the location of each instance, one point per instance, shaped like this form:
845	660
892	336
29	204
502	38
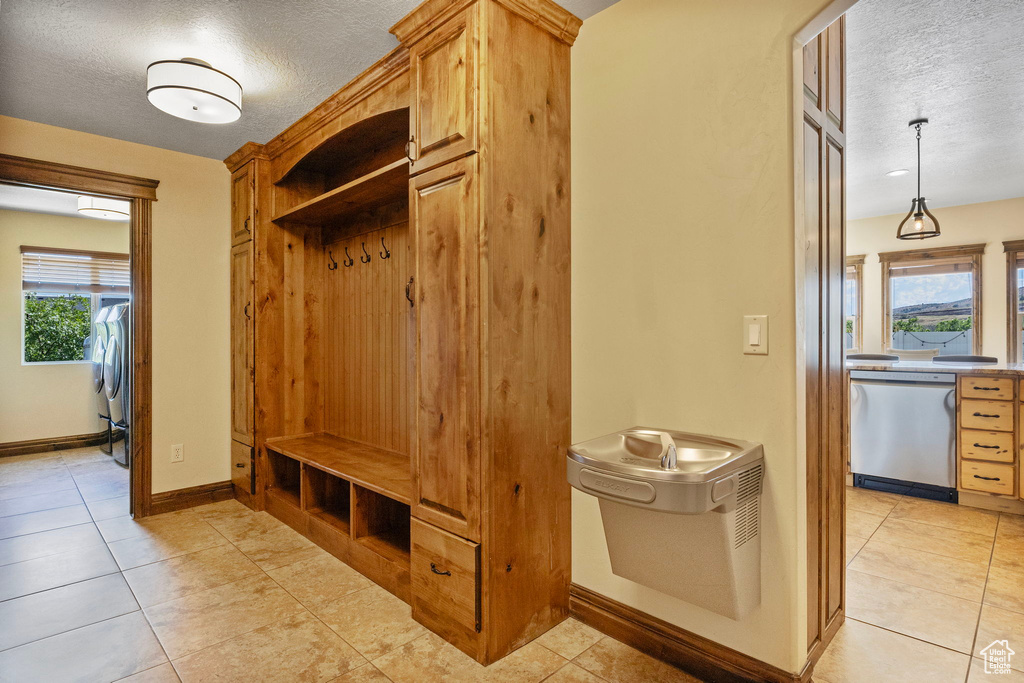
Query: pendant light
922	224
101	207
192	89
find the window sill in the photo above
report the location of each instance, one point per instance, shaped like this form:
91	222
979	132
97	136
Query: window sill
56	362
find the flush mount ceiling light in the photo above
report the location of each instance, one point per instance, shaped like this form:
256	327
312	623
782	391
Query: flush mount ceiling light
898	172
192	89
101	207
924	224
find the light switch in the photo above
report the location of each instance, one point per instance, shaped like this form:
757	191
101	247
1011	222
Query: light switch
755	339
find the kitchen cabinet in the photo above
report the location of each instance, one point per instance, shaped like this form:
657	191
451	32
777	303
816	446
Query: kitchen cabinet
987	435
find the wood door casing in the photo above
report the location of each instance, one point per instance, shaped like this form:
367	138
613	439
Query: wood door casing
826	389
243	207
444	209
444	72
242	361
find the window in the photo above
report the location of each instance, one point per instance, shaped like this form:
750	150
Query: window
1014	300
59	290
852	305
932	299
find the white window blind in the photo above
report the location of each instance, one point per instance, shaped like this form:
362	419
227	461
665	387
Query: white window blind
44	269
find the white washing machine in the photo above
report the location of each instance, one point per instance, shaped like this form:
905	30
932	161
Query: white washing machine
117	374
99	350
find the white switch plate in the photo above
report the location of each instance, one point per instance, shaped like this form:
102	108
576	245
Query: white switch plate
755	334
178	453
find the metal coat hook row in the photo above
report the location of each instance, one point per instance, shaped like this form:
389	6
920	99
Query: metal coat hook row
349	261
365	258
333	265
387	252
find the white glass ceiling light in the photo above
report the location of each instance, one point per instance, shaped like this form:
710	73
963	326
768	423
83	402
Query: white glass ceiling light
101	207
192	89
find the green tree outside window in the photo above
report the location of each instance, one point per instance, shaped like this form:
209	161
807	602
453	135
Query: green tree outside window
56	327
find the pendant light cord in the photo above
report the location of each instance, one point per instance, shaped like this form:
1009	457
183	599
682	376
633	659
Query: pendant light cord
918	161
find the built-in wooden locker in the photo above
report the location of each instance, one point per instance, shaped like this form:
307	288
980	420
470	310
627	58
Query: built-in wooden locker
242	343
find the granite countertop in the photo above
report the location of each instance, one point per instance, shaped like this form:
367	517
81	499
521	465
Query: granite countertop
1006	369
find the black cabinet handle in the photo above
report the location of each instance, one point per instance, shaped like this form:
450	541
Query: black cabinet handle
984	415
978	445
978	476
433	568
246	226
986	388
240	464
408	293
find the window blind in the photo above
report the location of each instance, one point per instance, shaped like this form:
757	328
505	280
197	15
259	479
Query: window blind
44	269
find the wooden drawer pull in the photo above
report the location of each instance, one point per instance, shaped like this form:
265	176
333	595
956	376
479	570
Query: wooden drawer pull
978	445
984	415
433	568
978	476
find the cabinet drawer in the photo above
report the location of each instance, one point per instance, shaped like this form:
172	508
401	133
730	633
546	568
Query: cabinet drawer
241	466
992	388
988	415
994	446
445	577
983	476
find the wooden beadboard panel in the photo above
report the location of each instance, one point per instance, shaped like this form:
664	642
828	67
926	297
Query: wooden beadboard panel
367	383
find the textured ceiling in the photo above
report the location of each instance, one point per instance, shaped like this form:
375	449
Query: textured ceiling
36	200
956	62
81	64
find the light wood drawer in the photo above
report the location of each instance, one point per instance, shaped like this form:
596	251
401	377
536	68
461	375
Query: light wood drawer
983	476
992	388
988	415
445	577
994	446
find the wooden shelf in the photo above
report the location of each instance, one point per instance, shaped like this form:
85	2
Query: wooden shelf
387	184
287	496
392	545
385	472
331	519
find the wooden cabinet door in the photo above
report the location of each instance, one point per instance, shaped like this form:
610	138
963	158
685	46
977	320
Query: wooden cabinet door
445	210
243	204
242	467
242	312
445	80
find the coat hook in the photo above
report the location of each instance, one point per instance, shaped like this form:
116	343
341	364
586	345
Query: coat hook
387	252
333	265
366	255
348	259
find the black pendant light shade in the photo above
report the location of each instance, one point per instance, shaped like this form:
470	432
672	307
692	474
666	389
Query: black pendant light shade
919	223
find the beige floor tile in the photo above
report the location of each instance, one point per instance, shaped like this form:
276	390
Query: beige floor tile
123	526
965	545
1011	523
862	653
372	621
320	580
203	619
159	674
164	540
109	508
367	673
1009	546
23	548
278	548
923	614
431	658
570	638
55	477
946	515
42	501
619	663
570	673
875	502
180	576
52	571
853	546
11	491
102	489
106	651
947	575
1005	588
44	520
299	648
978	674
1000	624
237	522
45	614
862	524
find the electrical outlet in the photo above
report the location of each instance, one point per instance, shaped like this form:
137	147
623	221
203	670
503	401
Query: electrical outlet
178	453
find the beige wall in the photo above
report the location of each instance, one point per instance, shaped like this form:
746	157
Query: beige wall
990	223
48	399
683	224
190	290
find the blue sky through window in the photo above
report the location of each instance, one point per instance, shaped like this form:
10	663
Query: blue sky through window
930	289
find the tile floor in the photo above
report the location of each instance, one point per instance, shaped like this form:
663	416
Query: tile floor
928	585
222	593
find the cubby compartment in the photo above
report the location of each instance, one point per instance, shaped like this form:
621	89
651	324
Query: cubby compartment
285	476
327	498
381	524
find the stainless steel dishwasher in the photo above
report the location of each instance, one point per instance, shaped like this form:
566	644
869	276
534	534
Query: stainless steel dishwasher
903	432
